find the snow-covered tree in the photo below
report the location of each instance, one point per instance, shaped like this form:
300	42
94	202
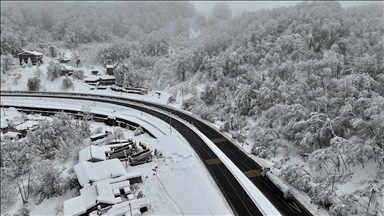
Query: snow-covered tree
209	95
78	74
23	64
67	83
297	176
139	130
222	11
7	194
48	182
34	84
53	70
53	51
6	61
118	133
29	63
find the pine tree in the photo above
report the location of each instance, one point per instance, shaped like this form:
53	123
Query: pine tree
23	65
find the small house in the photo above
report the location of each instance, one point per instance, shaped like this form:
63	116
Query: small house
66	70
109	70
33	55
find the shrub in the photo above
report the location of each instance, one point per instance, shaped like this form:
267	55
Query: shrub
79	74
67	83
33	84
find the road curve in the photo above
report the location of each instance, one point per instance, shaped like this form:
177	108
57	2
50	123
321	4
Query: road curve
236	197
234	193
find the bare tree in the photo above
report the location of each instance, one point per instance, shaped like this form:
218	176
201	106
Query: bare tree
24	193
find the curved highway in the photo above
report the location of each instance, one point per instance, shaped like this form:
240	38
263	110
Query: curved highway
234	193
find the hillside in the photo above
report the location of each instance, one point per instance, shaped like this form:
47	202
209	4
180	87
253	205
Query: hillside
302	85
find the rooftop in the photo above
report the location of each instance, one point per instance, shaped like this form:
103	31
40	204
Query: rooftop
87	171
94	152
30	52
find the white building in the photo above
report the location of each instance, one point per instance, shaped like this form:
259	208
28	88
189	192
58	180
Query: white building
94	153
108	192
88	172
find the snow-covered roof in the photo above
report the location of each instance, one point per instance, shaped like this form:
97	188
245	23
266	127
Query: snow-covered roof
26	125
74	206
122	208
97	135
30	52
87	171
109	66
4	123
67	67
11	134
79	205
94	152
105	193
100	192
94	78
17	121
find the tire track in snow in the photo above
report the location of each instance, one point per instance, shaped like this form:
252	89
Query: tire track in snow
164	190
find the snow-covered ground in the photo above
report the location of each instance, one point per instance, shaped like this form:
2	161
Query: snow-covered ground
81	87
181	184
165	176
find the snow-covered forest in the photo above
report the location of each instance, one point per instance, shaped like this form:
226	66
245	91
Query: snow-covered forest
304	81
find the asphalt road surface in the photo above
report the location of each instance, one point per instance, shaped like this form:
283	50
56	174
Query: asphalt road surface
236	196
248	166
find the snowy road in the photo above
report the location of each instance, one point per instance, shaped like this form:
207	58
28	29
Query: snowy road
233	191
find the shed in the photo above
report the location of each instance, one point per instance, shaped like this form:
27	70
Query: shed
66	70
109	69
94	153
33	55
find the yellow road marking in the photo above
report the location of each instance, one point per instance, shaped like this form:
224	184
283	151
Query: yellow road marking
235	190
252	173
285	204
302	206
217	140
187	132
295	207
213	161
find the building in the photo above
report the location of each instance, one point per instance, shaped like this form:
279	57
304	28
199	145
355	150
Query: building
33	55
87	173
106	193
66	71
109	70
94	153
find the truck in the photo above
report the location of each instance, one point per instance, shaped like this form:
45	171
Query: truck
121	152
141	157
276	182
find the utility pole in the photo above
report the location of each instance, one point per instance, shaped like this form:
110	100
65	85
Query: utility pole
130	209
170	125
